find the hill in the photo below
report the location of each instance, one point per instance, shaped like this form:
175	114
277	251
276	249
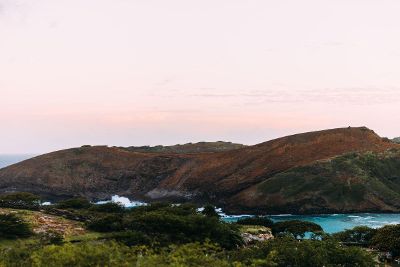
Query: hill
316	172
200	147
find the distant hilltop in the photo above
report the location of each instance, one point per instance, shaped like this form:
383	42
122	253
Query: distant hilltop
200	147
340	170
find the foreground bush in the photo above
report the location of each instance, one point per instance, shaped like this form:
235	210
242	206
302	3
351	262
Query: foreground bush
166	224
20	200
387	239
361	235
262	221
296	228
283	252
12	227
171	227
74	203
115	255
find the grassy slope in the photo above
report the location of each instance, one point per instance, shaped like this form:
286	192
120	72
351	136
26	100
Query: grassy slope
72	231
346	183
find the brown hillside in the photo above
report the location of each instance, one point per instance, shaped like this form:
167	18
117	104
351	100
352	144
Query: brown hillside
98	172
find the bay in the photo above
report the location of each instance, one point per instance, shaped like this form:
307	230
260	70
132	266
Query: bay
333	223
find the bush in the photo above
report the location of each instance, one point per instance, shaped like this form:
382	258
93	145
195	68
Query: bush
85	254
360	235
106	223
261	221
74	203
51	238
12	227
109	207
282	252
131	238
210	211
167	228
20	200
387	239
296	228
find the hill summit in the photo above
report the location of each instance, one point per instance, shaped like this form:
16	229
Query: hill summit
339	170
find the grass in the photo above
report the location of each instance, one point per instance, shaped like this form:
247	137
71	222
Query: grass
343	180
254	229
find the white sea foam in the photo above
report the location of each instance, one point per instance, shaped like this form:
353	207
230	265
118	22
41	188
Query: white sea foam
124	201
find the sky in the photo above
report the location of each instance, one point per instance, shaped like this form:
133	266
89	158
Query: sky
148	72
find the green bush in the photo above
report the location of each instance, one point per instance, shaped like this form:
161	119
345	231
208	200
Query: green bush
167	228
85	254
283	252
360	235
296	228
262	221
20	200
109	207
74	203
51	238
387	239
12	227
106	223
210	211
131	238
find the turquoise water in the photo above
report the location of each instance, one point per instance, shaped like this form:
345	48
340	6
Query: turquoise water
333	223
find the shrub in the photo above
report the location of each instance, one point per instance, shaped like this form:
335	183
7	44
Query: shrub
282	252
74	203
106	223
387	238
85	254
131	238
13	227
168	228
20	200
360	235
296	228
109	207
262	221
51	238
210	211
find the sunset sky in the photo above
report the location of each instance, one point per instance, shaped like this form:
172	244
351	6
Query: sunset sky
147	72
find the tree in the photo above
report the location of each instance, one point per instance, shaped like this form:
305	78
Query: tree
210	211
262	221
20	200
387	238
109	207
74	203
13	227
360	235
296	228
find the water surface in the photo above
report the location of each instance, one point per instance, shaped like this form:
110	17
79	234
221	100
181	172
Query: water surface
333	223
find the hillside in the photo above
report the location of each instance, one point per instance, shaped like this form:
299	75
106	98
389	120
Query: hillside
325	171
200	147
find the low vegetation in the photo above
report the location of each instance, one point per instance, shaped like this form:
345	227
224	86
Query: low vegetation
161	234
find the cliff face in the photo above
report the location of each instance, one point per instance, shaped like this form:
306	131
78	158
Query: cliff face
298	174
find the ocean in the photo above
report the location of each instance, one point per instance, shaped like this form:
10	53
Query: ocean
333	223
6	160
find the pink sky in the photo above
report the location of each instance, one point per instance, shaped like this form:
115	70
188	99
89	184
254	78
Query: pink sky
146	72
